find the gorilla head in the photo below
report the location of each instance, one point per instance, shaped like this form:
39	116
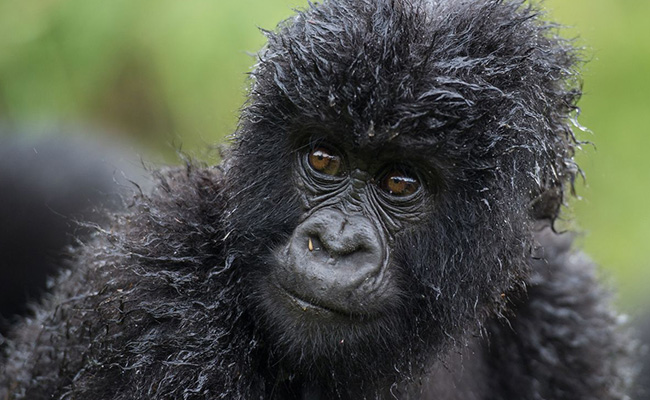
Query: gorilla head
387	171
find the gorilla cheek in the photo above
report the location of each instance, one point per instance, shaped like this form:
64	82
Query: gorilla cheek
335	264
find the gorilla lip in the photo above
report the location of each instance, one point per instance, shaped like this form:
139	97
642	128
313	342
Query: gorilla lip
323	310
305	305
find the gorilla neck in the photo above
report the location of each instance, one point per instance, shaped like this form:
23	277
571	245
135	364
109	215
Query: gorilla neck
458	375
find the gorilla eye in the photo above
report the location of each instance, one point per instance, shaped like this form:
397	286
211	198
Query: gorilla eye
325	161
399	183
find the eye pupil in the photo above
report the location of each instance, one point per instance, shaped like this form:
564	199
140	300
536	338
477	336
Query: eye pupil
325	161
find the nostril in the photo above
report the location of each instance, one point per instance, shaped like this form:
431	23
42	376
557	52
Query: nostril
343	224
337	244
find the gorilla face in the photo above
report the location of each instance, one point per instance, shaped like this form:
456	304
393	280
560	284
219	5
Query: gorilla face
337	264
336	281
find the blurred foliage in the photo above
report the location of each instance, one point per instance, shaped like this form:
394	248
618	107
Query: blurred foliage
154	69
160	70
614	209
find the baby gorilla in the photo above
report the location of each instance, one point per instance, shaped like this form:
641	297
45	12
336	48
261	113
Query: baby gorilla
380	228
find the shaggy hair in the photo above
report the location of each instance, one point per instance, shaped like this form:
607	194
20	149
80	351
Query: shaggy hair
492	304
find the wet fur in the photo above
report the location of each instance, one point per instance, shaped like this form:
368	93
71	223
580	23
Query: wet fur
165	303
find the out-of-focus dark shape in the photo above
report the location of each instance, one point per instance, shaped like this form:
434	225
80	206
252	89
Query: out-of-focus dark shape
643	378
49	188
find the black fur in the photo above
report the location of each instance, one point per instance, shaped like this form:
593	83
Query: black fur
492	303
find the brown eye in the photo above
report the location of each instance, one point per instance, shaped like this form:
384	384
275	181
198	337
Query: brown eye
399	183
325	161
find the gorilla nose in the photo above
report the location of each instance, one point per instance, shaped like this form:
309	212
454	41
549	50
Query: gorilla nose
337	235
334	259
340	238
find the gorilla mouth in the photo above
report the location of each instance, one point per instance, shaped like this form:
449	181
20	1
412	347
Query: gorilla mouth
313	306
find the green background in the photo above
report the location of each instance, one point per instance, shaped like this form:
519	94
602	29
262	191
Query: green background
172	72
